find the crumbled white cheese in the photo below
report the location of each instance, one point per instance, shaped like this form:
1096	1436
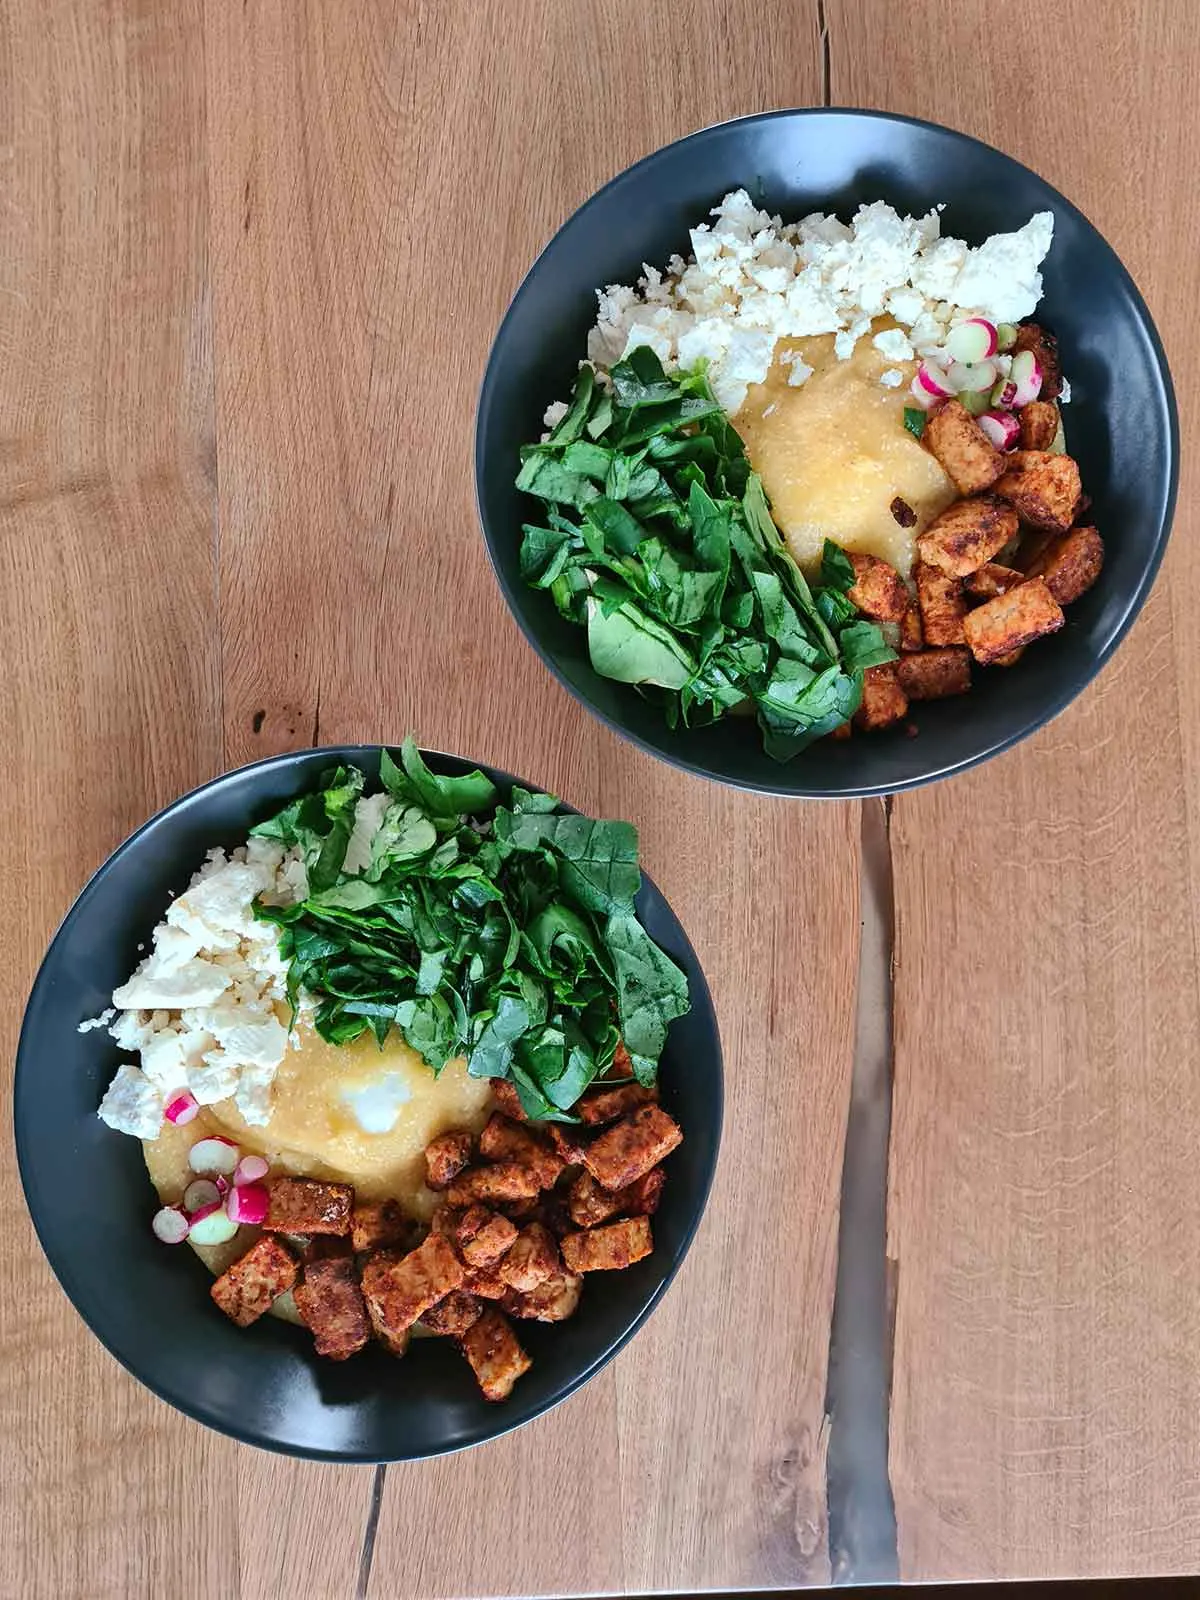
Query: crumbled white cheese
102	1021
754	280
892	378
204	1010
1065	396
892	344
555	412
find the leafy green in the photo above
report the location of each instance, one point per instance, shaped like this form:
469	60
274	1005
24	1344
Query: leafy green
658	539
915	420
505	934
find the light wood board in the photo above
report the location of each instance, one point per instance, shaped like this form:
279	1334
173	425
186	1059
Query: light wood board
1044	1182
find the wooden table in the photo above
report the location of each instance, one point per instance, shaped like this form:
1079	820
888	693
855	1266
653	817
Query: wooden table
251	258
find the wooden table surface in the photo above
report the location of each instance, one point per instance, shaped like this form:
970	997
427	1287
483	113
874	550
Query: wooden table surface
251	259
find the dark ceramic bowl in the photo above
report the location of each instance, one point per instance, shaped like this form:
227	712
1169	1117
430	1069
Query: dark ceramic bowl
1123	433
91	1200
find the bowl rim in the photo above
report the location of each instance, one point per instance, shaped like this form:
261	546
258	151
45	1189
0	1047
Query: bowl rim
60	1264
1057	702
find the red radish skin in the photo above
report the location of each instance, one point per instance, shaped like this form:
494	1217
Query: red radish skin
972	340
213	1155
170	1226
201	1195
1001	427
247	1203
212	1226
921	396
1027	376
1004	394
934	381
182	1109
250	1169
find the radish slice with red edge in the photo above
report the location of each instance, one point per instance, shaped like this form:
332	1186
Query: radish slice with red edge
213	1155
1027	376
965	377
201	1195
972	340
250	1169
213	1226
222	1183
1001	427
1004	394
170	1225
1006	335
921	396
934	381
247	1202
181	1108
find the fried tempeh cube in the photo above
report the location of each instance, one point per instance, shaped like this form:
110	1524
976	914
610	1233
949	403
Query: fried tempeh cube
912	636
1030	336
967	534
453	1315
1039	424
401	1289
507	1097
503	1182
445	1158
379	1225
624	1152
554	1299
992	579
608	1249
1012	620
483	1236
878	589
487	1283
330	1303
622	1065
306	1205
504	1140
246	1290
935	674
967	456
606	1105
591	1204
883	700
1070	563
1043	489
496	1357
568	1142
532	1258
942	604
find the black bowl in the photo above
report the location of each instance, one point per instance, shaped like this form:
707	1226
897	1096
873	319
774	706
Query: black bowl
91	1200
1122	422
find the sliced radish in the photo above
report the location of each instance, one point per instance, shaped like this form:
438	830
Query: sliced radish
1027	376
250	1169
182	1108
247	1202
1006	335
966	376
222	1183
213	1226
170	1225
972	340
1001	427
201	1195
213	1155
921	396
1004	394
934	381
975	401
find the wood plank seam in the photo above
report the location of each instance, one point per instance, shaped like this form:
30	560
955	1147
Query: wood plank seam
370	1530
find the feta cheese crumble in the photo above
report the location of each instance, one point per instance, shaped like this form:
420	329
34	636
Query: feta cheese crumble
754	280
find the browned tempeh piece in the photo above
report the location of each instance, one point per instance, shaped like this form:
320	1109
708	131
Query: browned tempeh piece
967	456
496	1357
507	1097
445	1157
401	1289
379	1225
935	674
942	604
912	636
246	1290
483	1236
992	579
967	534
591	1204
883	700
1039	424
306	1205
532	1258
330	1303
608	1249
1043	489
454	1314
1012	620
606	1105
878	589
504	1181
1070	563
624	1152
568	1142
554	1299
504	1140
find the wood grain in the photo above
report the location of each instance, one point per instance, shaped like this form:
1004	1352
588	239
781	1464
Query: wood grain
1044	1185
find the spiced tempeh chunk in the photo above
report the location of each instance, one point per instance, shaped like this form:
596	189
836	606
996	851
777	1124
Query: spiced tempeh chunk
883	700
1039	424
992	579
501	1183
445	1157
591	1204
967	534
508	1098
1012	620
935	674
379	1225
554	1299
496	1357
878	589
330	1302
454	1314
532	1258
483	1236
504	1140
967	456
395	1338
624	1152
610	1248
306	1205
1070	564
942	604
1043	488
401	1290
606	1105
568	1143
912	637
246	1290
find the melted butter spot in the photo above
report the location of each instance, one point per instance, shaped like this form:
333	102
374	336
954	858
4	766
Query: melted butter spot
376	1106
